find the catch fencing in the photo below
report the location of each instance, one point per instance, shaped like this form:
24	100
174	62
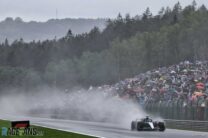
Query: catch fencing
179	109
181	114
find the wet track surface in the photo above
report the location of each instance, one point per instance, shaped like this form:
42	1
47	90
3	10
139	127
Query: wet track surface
105	129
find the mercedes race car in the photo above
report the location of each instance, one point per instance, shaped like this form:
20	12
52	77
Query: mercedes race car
147	124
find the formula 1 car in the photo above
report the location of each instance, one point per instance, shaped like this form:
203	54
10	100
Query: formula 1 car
147	124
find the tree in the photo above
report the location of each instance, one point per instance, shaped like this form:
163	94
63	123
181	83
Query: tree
203	8
147	14
127	18
194	4
119	18
6	42
177	8
9	19
18	19
161	12
176	12
69	34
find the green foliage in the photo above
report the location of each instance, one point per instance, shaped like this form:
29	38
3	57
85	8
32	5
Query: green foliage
61	73
18	77
126	47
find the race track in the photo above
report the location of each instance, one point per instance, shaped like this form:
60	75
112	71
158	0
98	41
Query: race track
105	129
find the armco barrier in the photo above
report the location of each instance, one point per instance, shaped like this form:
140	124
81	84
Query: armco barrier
187	124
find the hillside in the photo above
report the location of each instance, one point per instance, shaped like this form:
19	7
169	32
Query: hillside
13	29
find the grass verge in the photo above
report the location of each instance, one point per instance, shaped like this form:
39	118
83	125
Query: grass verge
47	132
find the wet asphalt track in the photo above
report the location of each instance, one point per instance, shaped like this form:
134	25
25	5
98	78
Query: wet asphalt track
104	129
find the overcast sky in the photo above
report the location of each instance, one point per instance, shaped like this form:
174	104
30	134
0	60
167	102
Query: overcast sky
42	10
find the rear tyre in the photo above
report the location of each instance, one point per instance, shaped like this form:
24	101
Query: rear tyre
139	126
161	126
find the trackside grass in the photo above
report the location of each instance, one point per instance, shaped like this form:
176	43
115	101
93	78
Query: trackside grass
48	133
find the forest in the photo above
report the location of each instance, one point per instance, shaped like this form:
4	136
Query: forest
129	45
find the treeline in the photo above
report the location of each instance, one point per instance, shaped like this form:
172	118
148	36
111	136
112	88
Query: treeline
13	29
126	47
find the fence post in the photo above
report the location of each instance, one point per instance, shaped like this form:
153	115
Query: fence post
180	109
179	113
172	110
195	111
185	111
191	111
162	108
175	109
206	110
167	110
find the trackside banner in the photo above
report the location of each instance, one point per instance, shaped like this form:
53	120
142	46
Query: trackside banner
21	128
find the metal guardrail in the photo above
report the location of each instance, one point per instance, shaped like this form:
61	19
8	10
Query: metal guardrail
187	124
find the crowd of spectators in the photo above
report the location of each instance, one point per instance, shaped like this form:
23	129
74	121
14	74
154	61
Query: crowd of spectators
183	86
185	81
